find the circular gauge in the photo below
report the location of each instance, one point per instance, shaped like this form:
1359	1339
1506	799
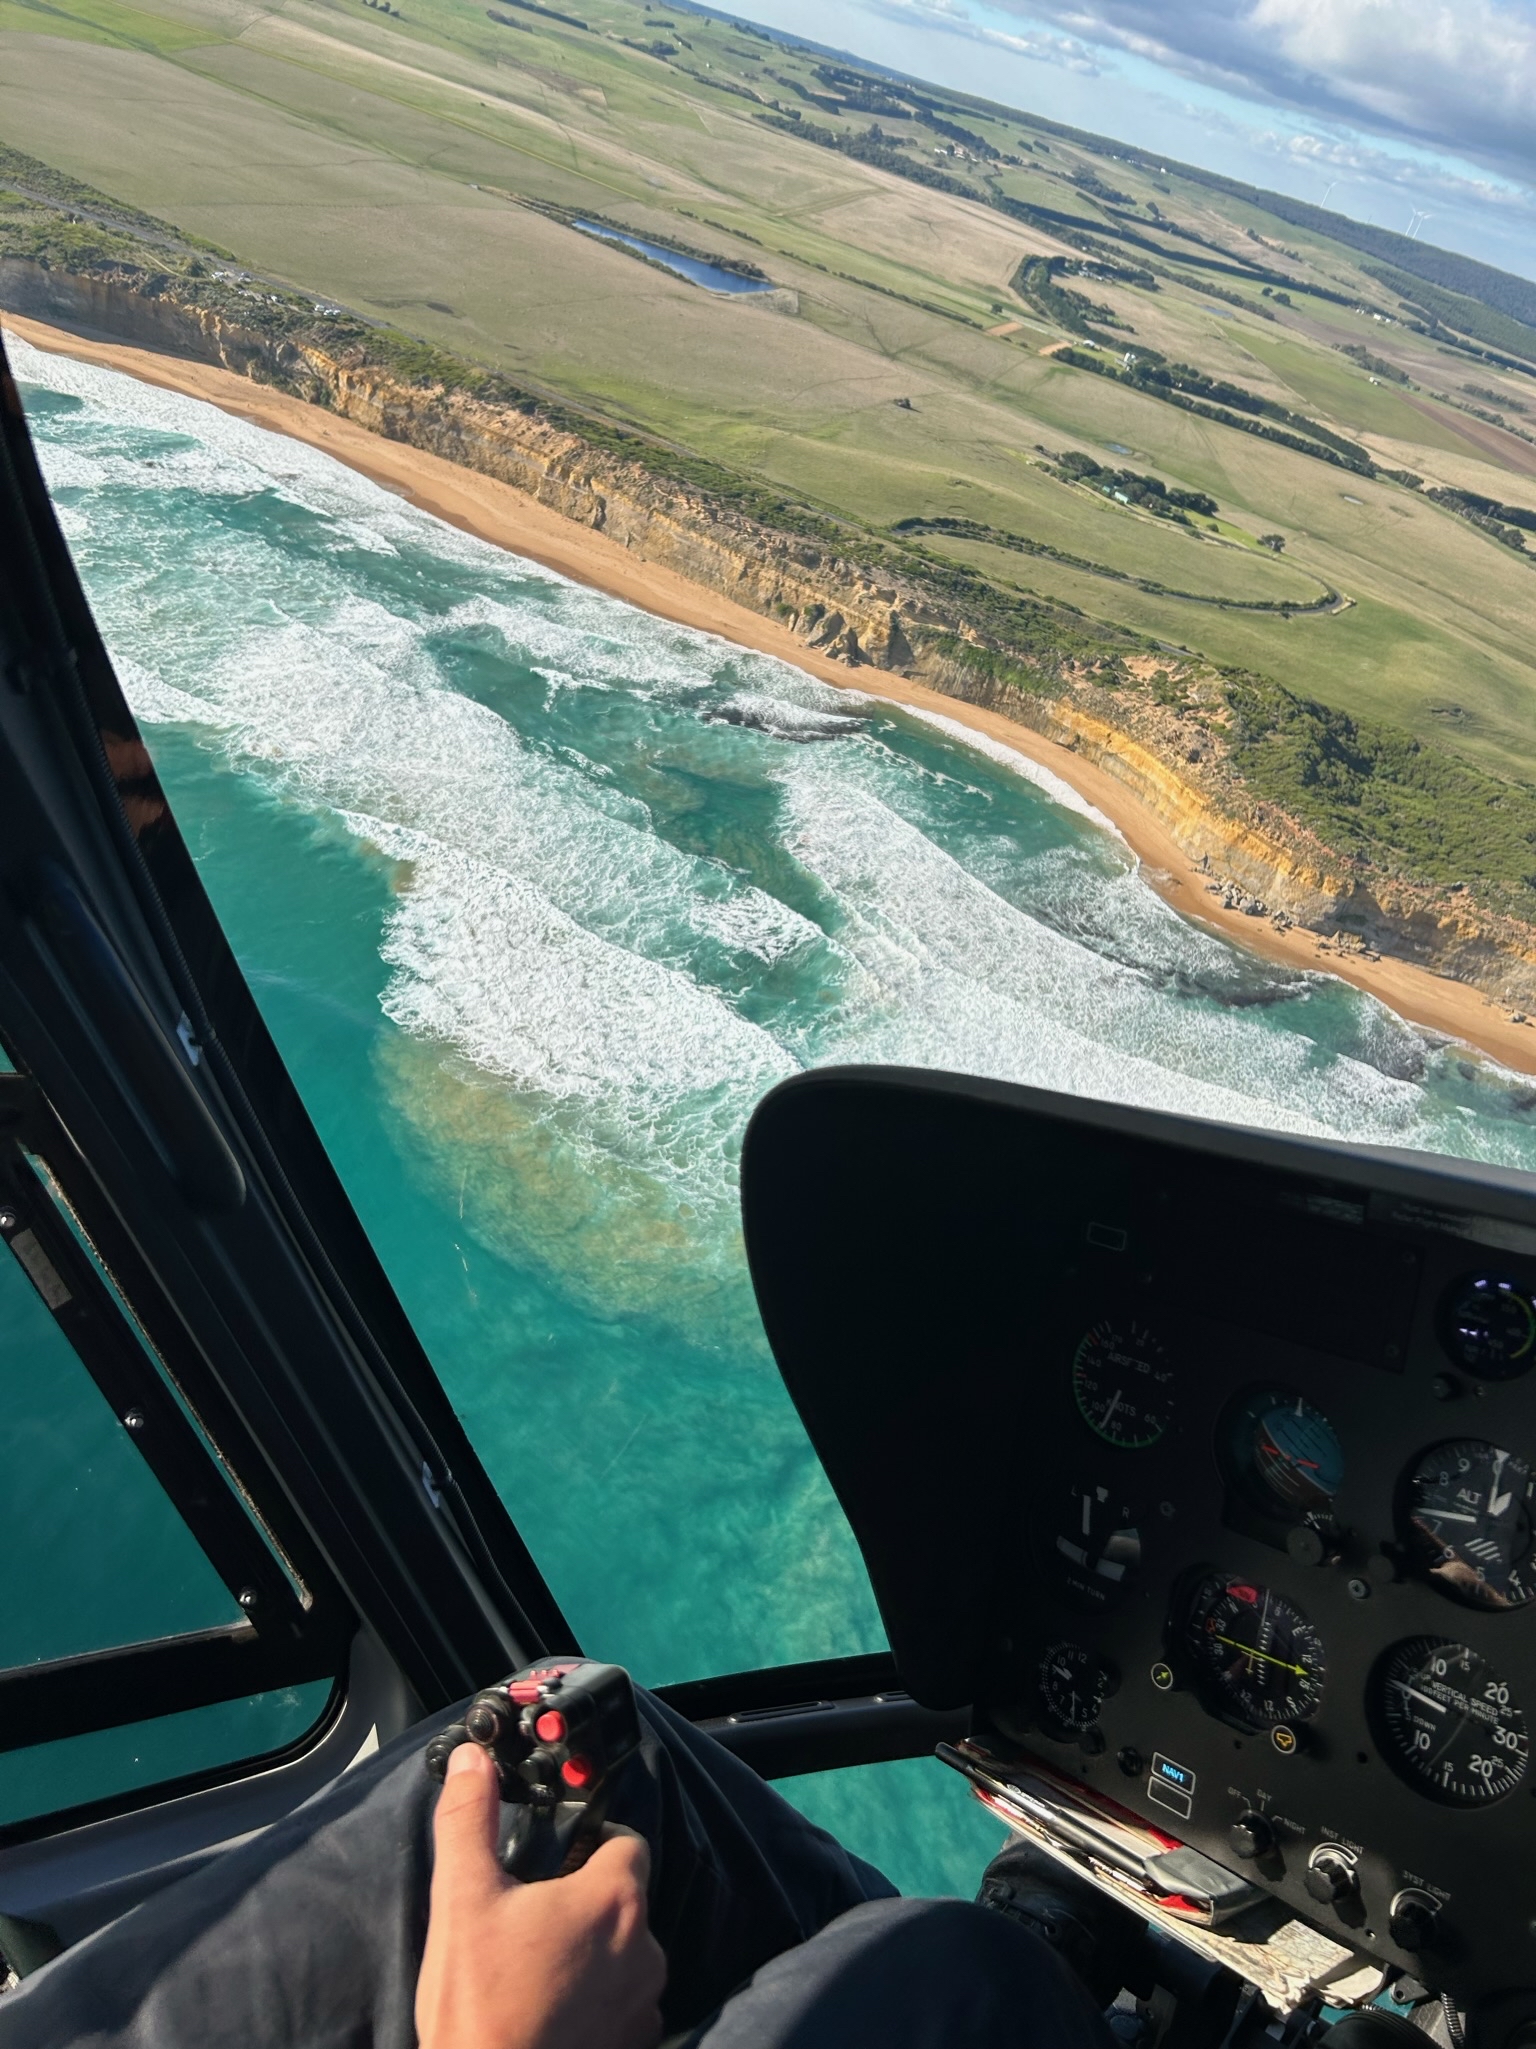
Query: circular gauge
1123	1383
1488	1326
1284	1454
1096	1540
1257	1655
1468	1523
1074	1684
1447	1724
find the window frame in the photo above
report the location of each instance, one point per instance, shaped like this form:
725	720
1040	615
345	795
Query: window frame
295	1625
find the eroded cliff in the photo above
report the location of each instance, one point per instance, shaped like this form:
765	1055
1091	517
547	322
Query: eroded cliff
1171	730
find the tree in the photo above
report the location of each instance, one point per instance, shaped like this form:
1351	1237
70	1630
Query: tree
1276	542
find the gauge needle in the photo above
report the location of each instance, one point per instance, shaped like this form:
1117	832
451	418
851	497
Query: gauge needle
1104	1420
1497	1502
1268	1657
1413	1693
1447	1515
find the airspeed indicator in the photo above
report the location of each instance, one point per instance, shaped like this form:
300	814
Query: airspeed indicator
1123	1383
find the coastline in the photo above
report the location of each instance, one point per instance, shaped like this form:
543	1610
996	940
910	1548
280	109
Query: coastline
498	513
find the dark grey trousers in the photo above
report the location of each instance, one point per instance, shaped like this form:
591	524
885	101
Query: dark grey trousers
310	1936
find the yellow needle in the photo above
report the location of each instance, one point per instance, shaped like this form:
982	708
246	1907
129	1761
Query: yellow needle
1248	1651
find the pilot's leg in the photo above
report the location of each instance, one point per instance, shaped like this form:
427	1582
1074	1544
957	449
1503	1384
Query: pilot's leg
313	1931
912	1974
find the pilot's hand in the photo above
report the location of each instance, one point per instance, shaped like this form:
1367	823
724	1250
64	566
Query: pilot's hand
566	1964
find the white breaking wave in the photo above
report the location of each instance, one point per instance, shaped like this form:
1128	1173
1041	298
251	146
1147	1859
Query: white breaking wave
1054	786
485	963
957	977
781	719
220	455
756	923
549	932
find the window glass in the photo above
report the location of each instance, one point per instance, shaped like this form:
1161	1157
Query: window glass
96	1555
675	1505
503	931
539	894
912	1819
49	1182
50	1777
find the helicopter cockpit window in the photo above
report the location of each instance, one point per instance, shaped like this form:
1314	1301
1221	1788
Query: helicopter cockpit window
97	1555
152	1628
165	1751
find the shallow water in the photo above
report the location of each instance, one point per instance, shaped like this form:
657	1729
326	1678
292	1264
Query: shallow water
540	893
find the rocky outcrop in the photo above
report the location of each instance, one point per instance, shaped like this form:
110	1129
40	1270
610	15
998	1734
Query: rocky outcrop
1256	856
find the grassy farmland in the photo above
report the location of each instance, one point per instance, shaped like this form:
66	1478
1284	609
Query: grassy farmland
411	163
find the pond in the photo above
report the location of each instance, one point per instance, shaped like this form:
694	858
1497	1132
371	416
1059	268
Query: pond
694	268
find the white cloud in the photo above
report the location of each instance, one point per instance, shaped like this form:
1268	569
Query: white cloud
1348	157
1040	46
1457	74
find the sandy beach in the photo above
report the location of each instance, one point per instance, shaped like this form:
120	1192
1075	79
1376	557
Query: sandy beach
497	513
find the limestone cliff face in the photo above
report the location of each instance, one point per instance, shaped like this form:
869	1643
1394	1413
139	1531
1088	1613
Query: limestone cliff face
1256	854
1266	861
836	607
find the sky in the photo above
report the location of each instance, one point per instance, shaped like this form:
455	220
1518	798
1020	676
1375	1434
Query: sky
1382	109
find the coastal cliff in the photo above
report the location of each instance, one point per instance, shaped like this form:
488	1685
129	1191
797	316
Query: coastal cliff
1267	863
1188	741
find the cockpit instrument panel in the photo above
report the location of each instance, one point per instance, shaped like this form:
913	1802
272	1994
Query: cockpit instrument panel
1202	1462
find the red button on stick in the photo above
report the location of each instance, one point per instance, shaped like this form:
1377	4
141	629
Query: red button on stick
578	1772
550	1727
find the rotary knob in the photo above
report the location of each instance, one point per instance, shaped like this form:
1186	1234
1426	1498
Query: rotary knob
1251	1836
1330	1876
1411	1922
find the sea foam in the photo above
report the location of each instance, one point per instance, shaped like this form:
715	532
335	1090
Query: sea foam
624	891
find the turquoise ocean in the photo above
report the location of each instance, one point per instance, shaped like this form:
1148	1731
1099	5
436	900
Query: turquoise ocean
539	894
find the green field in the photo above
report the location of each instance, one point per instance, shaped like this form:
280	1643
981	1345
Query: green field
383	161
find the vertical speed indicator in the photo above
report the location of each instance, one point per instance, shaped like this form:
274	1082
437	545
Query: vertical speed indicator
1448	1723
1122	1382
